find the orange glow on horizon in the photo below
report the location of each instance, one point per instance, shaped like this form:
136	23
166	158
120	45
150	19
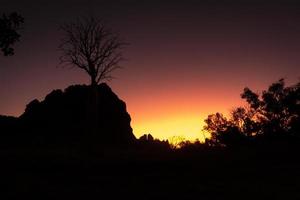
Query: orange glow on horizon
176	114
187	127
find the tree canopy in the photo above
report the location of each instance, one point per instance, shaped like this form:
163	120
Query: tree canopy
10	26
89	45
274	112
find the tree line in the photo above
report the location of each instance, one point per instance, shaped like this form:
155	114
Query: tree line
272	114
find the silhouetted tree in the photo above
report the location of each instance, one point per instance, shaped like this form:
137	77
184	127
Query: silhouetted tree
274	113
89	45
276	108
216	124
243	118
9	32
176	141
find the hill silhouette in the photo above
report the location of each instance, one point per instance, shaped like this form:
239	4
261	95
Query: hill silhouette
62	122
53	149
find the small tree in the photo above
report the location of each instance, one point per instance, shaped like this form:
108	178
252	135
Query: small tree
89	45
216	124
9	27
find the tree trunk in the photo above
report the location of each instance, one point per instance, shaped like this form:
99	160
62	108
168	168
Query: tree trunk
93	81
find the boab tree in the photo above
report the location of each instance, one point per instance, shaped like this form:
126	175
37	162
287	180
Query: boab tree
89	45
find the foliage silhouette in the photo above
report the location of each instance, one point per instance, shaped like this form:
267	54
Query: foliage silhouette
10	26
274	114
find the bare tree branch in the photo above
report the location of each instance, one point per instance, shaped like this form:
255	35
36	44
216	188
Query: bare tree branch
89	45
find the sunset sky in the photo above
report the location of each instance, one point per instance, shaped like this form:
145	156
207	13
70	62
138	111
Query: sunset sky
185	60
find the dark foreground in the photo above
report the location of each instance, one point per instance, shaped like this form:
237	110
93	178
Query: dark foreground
213	174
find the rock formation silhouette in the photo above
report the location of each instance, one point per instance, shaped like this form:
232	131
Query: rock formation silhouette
61	121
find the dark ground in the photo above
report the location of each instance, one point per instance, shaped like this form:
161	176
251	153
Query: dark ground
213	174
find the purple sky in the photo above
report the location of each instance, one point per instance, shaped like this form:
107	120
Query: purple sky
185	60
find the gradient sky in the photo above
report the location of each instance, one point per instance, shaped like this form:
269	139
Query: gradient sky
185	60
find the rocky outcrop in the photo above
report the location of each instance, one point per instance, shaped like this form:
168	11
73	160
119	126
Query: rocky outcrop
67	119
